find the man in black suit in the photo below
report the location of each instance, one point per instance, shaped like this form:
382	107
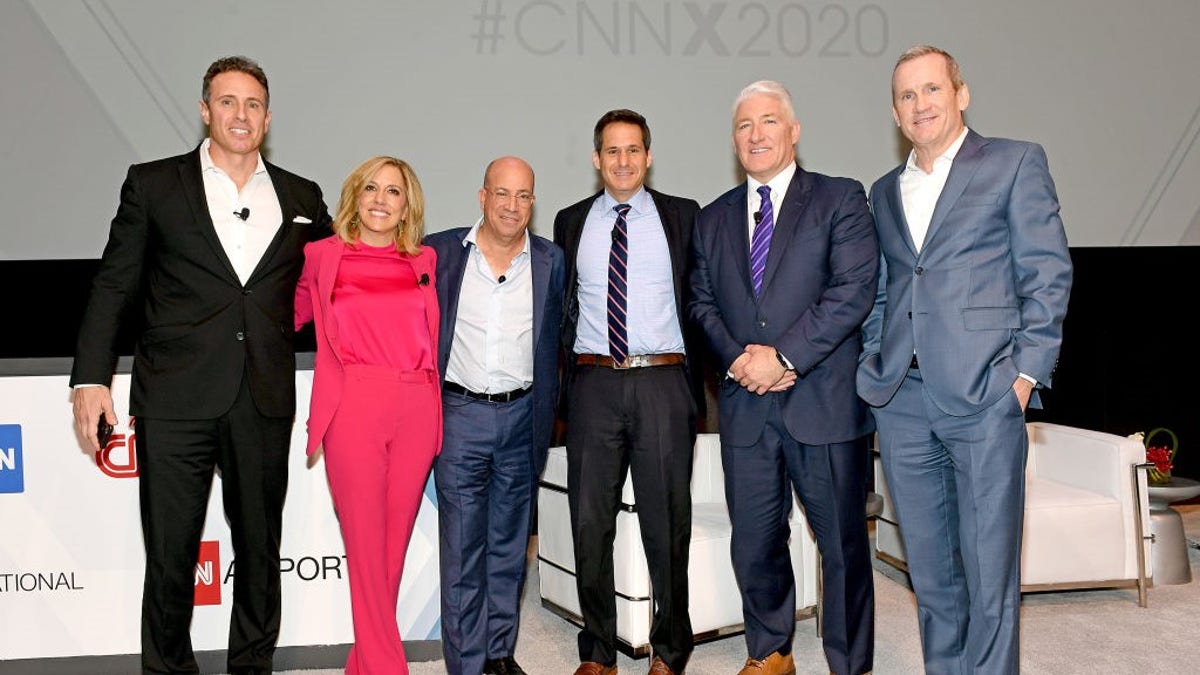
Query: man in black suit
210	244
633	392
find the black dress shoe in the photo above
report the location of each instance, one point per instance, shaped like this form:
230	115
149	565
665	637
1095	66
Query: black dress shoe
505	665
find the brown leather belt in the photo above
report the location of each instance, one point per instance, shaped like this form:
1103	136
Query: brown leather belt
631	361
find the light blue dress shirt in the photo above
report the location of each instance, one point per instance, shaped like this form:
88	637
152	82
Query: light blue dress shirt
651	319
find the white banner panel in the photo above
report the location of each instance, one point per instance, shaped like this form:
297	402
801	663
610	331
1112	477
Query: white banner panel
71	553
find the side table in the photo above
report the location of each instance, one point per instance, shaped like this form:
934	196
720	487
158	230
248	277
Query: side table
1170	546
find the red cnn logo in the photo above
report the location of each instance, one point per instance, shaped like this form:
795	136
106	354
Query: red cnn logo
118	459
208	574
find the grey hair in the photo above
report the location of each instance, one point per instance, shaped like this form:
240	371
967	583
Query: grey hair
767	88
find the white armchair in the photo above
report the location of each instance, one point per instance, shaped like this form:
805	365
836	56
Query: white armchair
715	605
1086	512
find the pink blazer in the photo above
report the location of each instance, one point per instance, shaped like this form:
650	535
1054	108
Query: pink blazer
314	294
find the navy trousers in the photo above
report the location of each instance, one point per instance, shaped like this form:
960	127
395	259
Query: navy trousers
485	484
830	482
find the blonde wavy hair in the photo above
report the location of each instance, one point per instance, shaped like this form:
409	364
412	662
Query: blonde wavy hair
412	227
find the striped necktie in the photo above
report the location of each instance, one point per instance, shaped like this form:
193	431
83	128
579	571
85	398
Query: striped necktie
760	243
618	259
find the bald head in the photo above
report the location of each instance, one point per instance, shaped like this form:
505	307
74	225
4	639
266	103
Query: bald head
506	166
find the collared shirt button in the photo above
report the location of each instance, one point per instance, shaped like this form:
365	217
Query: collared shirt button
241	336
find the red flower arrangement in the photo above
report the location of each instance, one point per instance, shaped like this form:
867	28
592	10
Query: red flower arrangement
1161	456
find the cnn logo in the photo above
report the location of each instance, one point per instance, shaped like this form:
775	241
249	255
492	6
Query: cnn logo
208	574
118	458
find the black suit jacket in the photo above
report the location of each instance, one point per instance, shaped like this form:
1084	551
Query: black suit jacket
678	216
199	329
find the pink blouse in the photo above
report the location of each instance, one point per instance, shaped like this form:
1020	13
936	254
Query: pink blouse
375	301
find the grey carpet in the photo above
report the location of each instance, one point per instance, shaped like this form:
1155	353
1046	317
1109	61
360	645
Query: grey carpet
1068	633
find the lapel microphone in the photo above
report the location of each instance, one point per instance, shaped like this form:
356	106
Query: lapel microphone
243	214
424	280
757	217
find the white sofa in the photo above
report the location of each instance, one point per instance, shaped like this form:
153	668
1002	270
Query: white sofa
1086	512
714	601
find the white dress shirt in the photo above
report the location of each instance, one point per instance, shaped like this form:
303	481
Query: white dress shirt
244	241
919	191
492	352
779	186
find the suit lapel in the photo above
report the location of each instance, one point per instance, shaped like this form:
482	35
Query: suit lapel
966	162
456	267
193	190
668	215
326	276
286	206
540	268
895	204
788	217
734	233
423	269
571	237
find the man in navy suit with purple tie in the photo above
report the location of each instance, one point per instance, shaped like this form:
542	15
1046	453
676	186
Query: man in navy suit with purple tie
785	269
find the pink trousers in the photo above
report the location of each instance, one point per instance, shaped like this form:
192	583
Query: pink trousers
378	451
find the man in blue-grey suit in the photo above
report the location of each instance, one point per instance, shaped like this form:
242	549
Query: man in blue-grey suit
785	270
966	327
500	290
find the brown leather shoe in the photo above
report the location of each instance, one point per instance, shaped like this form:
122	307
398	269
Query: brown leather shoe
593	668
774	664
660	667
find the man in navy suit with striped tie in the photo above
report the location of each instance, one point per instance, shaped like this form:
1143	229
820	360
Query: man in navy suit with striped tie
633	390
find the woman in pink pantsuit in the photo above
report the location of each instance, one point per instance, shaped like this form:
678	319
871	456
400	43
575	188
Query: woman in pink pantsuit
376	405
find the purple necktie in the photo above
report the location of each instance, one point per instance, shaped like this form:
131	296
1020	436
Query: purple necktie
760	243
618	259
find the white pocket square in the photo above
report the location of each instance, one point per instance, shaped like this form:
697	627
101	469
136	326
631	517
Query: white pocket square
302	220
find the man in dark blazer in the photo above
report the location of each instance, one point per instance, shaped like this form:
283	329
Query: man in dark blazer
210	245
785	275
967	325
500	289
633	389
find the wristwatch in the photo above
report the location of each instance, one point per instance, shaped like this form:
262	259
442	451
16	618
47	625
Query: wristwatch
782	361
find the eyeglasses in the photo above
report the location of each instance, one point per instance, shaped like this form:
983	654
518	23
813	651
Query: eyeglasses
501	195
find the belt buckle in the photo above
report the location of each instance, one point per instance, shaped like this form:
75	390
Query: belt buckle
637	361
